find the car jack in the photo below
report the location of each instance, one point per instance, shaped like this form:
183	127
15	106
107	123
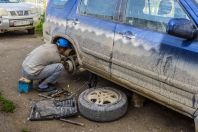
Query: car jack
93	80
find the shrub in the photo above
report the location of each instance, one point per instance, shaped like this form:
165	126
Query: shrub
39	26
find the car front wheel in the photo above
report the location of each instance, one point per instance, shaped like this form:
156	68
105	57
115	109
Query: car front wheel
31	31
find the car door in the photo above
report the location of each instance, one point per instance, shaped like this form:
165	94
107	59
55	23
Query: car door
149	60
92	28
56	15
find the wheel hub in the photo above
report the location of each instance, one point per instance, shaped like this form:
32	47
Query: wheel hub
102	97
70	65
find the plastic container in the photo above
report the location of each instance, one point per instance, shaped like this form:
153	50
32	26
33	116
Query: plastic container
24	85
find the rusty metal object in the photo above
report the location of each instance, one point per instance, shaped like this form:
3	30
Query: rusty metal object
47	97
72	122
44	96
138	100
93	80
70	64
59	93
52	92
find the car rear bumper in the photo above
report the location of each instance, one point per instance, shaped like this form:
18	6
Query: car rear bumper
17	23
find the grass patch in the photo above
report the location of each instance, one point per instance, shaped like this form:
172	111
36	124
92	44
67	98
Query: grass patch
24	130
6	105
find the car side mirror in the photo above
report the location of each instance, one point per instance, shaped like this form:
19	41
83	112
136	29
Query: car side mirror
182	28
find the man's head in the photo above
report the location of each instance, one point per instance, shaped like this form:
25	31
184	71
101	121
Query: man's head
62	44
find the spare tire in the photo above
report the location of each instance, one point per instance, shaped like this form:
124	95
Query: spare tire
102	104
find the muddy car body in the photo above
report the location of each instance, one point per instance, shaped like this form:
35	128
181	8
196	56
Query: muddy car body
15	15
150	48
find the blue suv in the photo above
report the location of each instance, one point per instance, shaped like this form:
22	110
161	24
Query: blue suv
147	46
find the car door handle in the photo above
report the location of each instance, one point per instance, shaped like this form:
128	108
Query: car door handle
127	35
74	21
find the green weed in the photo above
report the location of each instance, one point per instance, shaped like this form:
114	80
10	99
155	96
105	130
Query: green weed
6	105
39	26
24	130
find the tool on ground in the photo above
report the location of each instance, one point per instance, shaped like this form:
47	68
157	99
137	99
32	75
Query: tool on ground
57	93
24	85
75	93
93	80
72	122
47	97
52	92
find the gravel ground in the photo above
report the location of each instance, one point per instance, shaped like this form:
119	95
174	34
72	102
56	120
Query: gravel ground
13	49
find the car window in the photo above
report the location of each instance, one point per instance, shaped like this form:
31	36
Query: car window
98	8
60	2
152	14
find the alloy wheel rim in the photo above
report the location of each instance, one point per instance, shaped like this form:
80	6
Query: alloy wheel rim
103	97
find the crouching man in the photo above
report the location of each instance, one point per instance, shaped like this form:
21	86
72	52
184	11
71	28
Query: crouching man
44	64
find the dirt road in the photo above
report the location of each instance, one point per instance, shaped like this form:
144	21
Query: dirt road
13	49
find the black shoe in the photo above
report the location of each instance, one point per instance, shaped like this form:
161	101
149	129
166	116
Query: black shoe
53	84
40	81
49	89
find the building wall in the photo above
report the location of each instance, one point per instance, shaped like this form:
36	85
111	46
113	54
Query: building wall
40	4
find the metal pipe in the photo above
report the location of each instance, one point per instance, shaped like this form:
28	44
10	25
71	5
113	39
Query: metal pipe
72	122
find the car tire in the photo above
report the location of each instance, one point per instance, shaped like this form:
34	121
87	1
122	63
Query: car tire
114	105
31	31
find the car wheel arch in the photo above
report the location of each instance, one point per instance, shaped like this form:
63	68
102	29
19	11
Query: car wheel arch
73	44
